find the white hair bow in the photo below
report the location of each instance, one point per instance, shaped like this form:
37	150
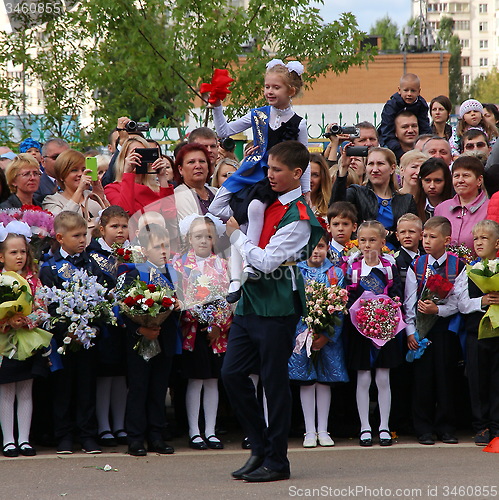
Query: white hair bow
15	227
185	224
295	66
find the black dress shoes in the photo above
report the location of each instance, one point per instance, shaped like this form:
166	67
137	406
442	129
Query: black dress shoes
426	439
159	446
448	438
245	444
197	445
253	463
136	448
265	475
214	443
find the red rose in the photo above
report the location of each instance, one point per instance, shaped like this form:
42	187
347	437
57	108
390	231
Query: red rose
138	297
151	288
149	302
120	252
126	257
129	301
166	302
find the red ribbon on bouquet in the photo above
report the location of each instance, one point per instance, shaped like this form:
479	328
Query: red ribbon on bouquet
219	86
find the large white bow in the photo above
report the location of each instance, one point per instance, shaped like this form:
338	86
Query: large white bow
15	227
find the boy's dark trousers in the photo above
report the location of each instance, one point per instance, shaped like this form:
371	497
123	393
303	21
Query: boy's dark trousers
75	385
488	375
147	386
266	342
433	406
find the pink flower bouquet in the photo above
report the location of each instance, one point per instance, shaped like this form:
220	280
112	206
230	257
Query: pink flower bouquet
377	317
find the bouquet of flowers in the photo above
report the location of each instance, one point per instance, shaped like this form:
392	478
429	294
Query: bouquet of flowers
485	275
127	255
41	223
436	289
462	252
377	317
324	305
148	305
80	302
16	299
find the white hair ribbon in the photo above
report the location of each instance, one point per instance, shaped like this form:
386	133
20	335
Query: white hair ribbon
185	224
15	227
295	66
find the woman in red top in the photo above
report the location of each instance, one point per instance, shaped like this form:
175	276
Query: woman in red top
133	191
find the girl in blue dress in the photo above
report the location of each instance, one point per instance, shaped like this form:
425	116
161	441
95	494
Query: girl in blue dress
315	378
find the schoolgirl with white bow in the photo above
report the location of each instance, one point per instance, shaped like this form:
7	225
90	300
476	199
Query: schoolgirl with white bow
247	193
20	337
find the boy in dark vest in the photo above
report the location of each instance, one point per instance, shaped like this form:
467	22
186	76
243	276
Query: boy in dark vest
262	331
76	382
434	373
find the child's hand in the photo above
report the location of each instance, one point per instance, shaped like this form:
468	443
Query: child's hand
427	307
412	343
319	342
213	334
490	298
149	333
17	321
231	226
177	305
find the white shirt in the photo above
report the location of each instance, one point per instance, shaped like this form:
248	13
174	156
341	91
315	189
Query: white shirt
104	245
285	245
337	246
452	304
65	254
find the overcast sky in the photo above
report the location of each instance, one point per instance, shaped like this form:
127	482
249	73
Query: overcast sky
368	11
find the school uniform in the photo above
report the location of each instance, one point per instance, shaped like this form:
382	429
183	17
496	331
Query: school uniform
263	328
435	372
403	260
78	367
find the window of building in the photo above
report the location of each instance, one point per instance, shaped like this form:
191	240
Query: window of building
462	25
482	8
465	61
466	80
465	43
484	44
484	61
483	26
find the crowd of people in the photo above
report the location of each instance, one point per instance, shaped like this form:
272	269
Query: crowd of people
235	243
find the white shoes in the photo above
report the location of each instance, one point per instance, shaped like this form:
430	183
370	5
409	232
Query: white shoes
325	439
310	440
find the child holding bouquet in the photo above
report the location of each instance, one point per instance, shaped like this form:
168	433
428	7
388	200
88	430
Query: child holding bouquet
482	351
112	230
316	375
205	324
16	379
371	272
434	372
148	375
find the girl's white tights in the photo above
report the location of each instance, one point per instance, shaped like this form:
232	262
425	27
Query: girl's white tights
317	396
210	406
111	395
22	391
384	398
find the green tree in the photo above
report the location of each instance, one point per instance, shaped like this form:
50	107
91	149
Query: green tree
485	88
388	31
148	58
446	40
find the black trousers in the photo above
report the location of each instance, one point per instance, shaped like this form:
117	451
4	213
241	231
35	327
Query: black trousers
488	379
74	386
478	392
266	343
147	385
435	373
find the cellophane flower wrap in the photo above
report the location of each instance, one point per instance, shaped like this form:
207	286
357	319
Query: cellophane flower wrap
485	275
148	305
377	317
205	304
81	303
437	289
462	252
16	298
41	223
324	305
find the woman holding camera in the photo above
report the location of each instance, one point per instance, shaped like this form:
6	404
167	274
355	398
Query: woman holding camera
75	182
133	191
379	198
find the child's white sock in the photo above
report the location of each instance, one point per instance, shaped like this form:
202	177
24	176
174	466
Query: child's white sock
192	405
24	408
7	397
210	405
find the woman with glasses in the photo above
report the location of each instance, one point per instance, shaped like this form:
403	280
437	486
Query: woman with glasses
75	181
23	177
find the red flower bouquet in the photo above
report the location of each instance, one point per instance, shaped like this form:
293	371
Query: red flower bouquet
436	289
377	317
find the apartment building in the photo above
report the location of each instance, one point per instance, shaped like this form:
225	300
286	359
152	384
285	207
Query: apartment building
476	24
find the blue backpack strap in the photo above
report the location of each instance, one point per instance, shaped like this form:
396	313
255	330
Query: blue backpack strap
419	266
452	267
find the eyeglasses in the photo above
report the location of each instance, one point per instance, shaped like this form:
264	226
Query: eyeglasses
52	157
470	145
31	173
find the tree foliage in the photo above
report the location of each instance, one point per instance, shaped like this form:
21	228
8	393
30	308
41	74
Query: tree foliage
388	31
485	88
146	59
